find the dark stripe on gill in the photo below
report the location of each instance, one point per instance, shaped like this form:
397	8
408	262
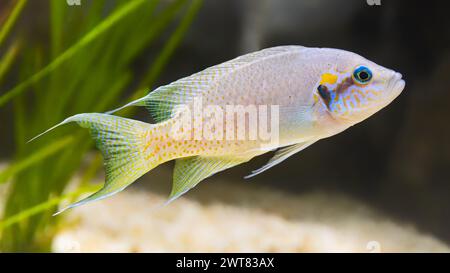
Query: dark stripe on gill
324	94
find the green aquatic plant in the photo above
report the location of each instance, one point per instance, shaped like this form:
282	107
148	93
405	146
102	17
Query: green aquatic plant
86	67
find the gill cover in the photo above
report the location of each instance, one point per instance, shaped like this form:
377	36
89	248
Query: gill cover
349	94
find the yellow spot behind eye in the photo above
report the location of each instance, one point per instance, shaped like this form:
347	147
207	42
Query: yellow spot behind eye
328	78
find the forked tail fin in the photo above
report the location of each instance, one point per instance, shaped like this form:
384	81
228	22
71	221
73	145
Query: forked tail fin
122	142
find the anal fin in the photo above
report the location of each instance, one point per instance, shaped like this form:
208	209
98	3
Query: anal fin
190	171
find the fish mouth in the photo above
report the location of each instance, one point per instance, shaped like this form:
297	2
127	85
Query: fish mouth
396	84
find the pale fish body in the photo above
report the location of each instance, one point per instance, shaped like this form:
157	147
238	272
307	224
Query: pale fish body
319	92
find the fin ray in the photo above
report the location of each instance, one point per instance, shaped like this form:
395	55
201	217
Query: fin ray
121	142
190	171
281	155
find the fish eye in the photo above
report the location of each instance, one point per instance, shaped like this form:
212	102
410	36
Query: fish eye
362	75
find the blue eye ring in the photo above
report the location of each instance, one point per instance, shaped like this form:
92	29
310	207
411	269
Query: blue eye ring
362	75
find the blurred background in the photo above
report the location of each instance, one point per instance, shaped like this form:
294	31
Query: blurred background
58	58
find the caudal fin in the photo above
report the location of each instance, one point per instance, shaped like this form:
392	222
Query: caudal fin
122	143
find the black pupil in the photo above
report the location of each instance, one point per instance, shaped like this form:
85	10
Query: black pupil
363	75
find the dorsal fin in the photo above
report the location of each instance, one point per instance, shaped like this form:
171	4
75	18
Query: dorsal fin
162	102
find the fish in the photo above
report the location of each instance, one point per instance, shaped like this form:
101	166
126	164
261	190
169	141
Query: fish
206	122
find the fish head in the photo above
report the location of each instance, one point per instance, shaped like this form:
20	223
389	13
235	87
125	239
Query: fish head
352	88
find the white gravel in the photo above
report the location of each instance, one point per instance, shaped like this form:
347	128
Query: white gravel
236	218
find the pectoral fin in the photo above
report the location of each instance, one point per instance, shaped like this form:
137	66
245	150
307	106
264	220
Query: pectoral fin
281	155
